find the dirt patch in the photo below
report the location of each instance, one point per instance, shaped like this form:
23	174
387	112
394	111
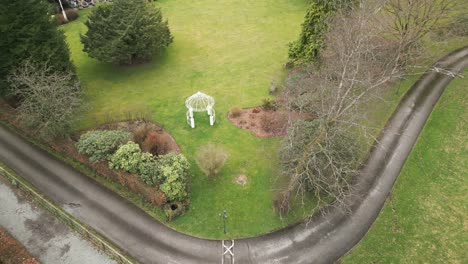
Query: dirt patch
12	252
241	180
265	123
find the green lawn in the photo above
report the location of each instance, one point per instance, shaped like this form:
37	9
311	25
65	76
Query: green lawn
231	50
424	221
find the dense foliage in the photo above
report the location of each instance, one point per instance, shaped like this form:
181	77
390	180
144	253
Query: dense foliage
49	99
311	40
127	157
126	32
100	144
171	171
148	169
174	169
28	31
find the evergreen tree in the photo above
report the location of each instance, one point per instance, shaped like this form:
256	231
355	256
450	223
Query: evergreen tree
311	40
28	31
126	32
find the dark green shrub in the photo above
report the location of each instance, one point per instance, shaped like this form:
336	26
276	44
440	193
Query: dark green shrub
311	39
100	144
126	32
148	170
28	31
174	170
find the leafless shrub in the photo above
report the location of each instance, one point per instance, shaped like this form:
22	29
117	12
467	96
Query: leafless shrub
140	133
156	143
210	158
410	20
49	100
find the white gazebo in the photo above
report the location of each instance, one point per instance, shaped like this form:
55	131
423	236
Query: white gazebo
200	102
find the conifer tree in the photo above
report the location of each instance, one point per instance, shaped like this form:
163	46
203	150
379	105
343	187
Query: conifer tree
29	32
310	43
126	32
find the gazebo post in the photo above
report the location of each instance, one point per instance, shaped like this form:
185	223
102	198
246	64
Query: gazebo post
200	102
192	122
191	112
212	120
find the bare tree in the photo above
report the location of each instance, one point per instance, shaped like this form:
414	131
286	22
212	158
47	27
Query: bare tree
410	20
49	99
360	60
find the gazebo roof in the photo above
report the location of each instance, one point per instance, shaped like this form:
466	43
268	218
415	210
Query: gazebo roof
199	102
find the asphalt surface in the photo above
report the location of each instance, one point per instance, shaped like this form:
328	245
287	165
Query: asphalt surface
323	240
48	239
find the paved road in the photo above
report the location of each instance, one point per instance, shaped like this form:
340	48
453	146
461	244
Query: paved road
43	235
323	240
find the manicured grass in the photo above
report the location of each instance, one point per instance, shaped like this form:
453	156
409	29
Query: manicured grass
231	50
423	221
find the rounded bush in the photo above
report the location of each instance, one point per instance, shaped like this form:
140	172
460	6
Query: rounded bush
100	144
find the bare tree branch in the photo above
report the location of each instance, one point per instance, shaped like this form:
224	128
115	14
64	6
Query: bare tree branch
49	99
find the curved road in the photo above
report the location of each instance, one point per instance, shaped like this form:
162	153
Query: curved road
326	238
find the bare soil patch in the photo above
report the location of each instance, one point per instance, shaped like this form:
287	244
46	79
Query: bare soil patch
12	252
241	179
265	123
